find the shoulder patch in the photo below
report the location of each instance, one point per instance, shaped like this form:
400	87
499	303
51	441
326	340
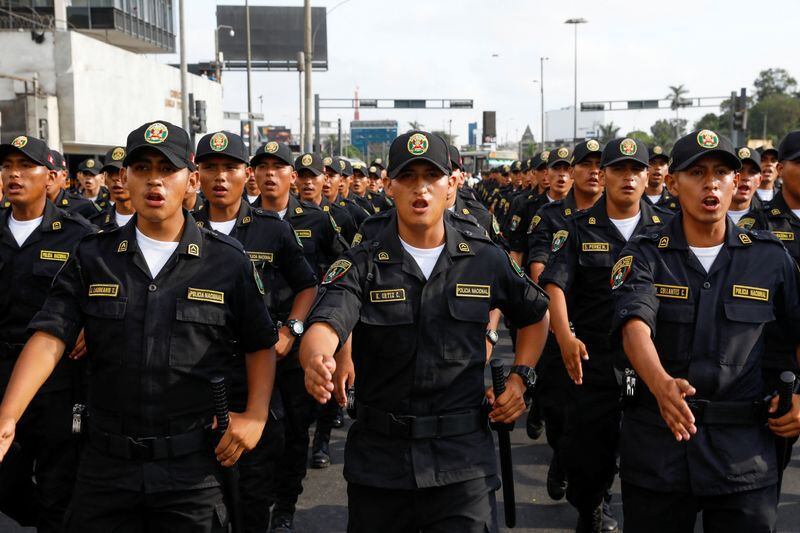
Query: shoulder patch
559	238
495	226
336	271
621	270
515	266
746	223
534	222
356	239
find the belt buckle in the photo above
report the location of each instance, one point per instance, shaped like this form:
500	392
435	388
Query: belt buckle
142	448
698	408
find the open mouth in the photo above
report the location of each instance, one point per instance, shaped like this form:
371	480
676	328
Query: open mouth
13	188
155	199
419	205
219	190
710	203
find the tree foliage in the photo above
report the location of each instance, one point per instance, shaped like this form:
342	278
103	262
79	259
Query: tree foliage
608	132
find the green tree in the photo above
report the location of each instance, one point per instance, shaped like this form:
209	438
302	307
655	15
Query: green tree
782	113
641	136
675	96
666	132
774	81
351	152
608	132
712	121
446	136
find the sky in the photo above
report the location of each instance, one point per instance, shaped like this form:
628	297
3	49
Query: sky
489	52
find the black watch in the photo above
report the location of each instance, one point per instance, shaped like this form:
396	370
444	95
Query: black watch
296	327
492	337
528	375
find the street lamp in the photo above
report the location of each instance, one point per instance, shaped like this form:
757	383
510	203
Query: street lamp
217	58
575	22
541	87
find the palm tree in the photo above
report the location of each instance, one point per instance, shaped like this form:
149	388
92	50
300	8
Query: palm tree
414	125
676	102
608	132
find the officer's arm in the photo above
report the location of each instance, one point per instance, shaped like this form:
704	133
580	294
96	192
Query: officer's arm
536	270
316	357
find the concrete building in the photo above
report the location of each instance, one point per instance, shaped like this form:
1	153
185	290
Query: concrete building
559	124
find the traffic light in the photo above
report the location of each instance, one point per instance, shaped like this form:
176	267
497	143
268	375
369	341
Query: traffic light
198	119
740	111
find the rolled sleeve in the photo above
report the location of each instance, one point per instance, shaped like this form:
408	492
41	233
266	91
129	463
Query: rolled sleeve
62	315
635	296
560	269
540	239
254	328
338	302
515	294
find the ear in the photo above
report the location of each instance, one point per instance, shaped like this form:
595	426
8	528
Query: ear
736	176
293	177
672	185
123	176
602	177
52	176
780	169
191	185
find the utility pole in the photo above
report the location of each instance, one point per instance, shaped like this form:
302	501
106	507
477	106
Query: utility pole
340	138
541	87
575	22
300	68
317	144
184	81
249	74
308	53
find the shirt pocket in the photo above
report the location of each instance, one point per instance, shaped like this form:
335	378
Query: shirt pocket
595	259
196	334
465	338
745	324
390	329
105	319
674	331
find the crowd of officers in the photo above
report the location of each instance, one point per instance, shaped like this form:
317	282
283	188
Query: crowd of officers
655	295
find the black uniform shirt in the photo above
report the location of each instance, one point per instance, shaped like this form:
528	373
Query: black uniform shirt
381	202
550	218
707	328
520	221
26	273
365	202
468	206
375	224
75	203
317	231
666	201
154	344
419	348
358	213
340	214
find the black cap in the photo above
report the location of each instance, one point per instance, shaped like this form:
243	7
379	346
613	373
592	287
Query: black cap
455	158
657	152
746	154
310	161
170	140
625	149
374	171
113	159
418	146
516	167
59	163
90	166
559	155
536	161
342	166
789	149
504	169
34	149
378	162
765	149
697	144
584	149
360	167
222	143
273	149
526	165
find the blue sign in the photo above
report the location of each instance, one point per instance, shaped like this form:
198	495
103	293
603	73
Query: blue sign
362	137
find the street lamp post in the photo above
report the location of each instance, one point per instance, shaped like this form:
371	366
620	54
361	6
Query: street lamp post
217	60
575	22
541	87
250	142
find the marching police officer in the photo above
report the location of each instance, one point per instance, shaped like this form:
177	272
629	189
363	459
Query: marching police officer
339	172
59	194
162	302
119	210
575	279
692	300
656	192
36	239
417	299
323	190
358	188
745	198
463	202
770	175
91	182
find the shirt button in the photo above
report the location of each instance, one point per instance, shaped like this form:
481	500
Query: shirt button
153	287
706	285
623	312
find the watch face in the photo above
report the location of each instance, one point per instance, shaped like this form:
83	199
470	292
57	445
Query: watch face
297	328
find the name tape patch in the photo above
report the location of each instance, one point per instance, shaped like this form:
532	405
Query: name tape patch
473	291
260	256
784	235
109	290
672	291
594	247
206	295
303	233
751	293
50	255
387	295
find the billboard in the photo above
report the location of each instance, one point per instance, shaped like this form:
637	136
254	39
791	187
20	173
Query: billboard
372	137
276	36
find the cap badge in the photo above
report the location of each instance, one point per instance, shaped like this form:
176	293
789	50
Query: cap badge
517	165
379	161
90	163
562	153
271	147
218	142
118	154
306	160
156	133
744	153
342	165
327	161
707	139
373	169
657	150
19	142
628	147
417	144
545	156
593	145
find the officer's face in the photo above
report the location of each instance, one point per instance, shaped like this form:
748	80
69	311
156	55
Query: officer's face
749	180
790	172
420	194
58	183
222	180
769	167
117	191
544	179
89	182
656	173
156	186
374	184
505	179
586	175
560	179
333	180
252	184
358	182
624	182
274	177
309	185
705	189
24	181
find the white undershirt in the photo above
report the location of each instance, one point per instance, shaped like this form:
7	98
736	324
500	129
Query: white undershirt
796	212
92	198
425	257
737	215
223	227
654	198
452	208
251	199
23	229
626	225
765	194
706	255
122	219
549	200
156	253
282	213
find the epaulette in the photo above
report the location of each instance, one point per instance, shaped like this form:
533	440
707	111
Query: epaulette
77	219
478	235
266	213
764	235
227	239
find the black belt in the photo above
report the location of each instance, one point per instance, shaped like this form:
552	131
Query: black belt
728	413
421	427
9	350
150	448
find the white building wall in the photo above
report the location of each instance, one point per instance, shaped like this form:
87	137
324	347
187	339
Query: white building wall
559	123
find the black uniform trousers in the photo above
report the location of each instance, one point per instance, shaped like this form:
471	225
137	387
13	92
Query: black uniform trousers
257	471
45	448
647	511
301	410
325	420
466	507
551	395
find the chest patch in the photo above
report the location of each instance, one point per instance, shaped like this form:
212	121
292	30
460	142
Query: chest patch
206	295
594	247
672	291
387	295
750	293
109	290
50	255
473	291
260	256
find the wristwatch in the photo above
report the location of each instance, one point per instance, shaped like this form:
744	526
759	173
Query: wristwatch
296	327
528	375
492	336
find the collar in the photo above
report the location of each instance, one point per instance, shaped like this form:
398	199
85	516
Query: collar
190	244
599	213
672	237
387	247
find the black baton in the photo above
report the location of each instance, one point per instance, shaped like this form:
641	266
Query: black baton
230	475
785	392
504	444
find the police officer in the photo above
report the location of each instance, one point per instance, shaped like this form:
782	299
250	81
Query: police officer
692	301
770	175
92	185
222	163
193	200
575	279
464	203
419	457
540	173
323	190
656	192
359	193
58	192
338	173
322	244
251	191
36	239
162	302
119	210
745	198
